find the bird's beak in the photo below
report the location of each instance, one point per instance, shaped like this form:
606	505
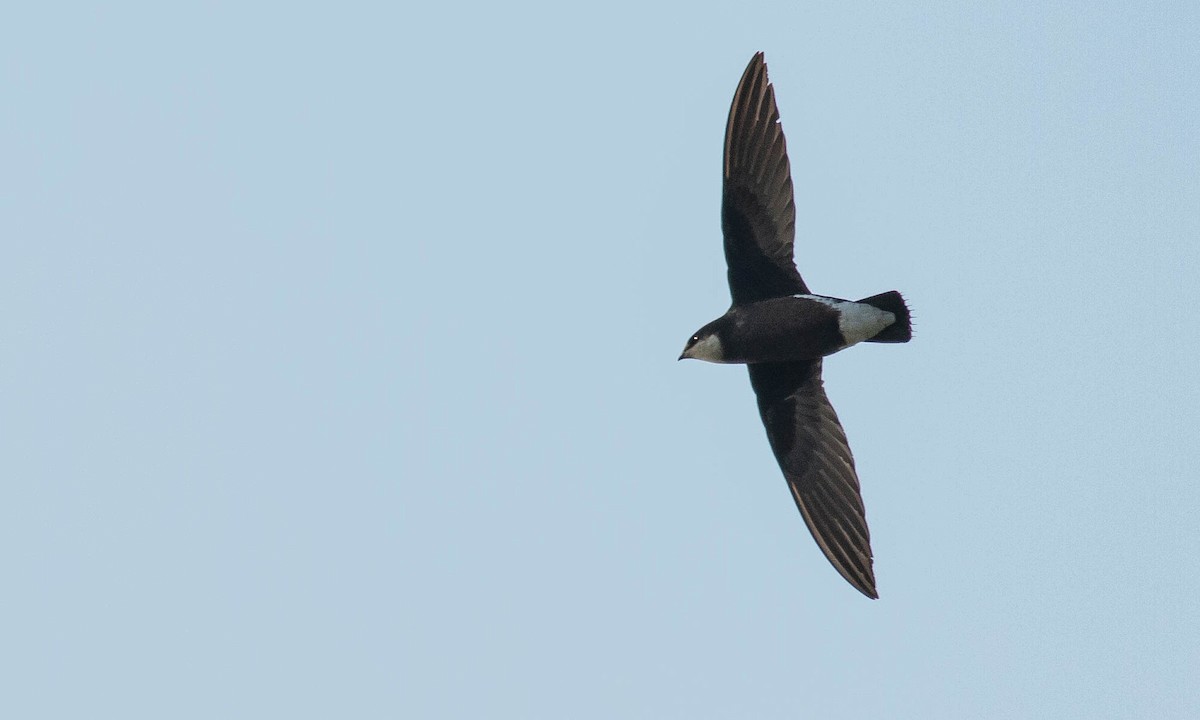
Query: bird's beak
681	356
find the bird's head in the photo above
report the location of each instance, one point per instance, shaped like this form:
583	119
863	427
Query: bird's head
704	345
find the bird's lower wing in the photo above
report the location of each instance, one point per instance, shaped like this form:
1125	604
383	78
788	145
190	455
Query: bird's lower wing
810	445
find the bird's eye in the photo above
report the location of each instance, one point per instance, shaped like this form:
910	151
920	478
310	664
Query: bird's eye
695	339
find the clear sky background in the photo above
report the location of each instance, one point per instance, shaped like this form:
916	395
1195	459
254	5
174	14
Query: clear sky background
338	362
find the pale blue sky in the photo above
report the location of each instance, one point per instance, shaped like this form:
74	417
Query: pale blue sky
338	362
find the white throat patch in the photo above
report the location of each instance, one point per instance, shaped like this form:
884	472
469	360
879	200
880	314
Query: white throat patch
856	321
708	349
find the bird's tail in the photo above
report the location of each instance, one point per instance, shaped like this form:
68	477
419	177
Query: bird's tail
899	331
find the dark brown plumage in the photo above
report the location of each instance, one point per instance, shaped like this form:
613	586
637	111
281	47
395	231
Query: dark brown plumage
782	331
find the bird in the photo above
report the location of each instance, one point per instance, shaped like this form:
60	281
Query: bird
782	331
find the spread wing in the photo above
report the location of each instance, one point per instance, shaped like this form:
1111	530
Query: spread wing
758	215
810	445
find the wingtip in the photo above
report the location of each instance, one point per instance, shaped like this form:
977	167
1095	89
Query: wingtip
865	585
757	60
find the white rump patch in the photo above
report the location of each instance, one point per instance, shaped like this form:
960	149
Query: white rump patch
856	321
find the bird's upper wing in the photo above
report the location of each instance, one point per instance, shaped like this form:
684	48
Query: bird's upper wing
758	215
812	451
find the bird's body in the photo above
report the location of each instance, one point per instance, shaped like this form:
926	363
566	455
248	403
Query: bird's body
782	331
793	328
